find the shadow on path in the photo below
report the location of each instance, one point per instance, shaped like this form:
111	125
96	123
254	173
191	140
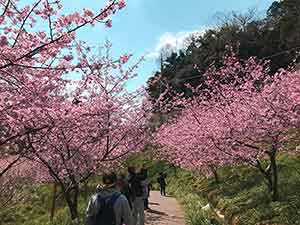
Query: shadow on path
153	203
154	215
152	211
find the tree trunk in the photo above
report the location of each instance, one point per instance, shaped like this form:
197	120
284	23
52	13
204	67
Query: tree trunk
73	211
85	186
53	206
271	172
72	201
176	173
271	175
215	173
274	176
216	176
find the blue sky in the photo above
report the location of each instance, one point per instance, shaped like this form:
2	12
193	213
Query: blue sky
143	26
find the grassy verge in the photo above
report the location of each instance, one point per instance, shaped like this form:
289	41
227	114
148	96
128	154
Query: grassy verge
241	196
183	186
244	200
35	208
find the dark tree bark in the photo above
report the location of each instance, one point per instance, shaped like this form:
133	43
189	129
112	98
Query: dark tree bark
271	173
53	206
274	174
85	186
215	173
71	197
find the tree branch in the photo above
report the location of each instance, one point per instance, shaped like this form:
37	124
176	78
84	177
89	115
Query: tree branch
41	47
24	21
6	7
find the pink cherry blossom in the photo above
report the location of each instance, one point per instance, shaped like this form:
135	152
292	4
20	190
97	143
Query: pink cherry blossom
57	130
243	121
108	23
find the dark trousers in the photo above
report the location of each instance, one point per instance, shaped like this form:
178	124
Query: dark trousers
146	203
163	190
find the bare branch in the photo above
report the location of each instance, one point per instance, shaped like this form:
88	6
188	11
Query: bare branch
24	21
6	7
50	24
9	166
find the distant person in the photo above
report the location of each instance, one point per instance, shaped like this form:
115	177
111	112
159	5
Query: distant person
162	183
137	195
108	206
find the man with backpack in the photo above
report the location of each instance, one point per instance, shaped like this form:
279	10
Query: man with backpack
137	195
108	206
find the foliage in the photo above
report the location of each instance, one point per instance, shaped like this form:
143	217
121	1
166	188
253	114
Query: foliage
274	37
34	209
241	195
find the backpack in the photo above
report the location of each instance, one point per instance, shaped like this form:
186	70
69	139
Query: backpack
106	214
136	186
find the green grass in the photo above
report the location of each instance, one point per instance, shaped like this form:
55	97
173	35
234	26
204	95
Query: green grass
35	208
241	196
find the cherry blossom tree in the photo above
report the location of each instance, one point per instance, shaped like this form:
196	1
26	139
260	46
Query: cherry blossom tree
92	127
245	119
64	130
37	45
185	143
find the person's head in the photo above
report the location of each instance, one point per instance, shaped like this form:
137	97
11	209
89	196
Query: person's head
120	184
131	169
109	179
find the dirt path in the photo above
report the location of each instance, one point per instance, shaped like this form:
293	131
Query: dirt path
164	211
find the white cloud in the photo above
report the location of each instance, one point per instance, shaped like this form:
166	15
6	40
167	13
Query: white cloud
174	41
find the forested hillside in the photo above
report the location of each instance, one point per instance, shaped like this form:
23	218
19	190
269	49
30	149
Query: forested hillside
275	37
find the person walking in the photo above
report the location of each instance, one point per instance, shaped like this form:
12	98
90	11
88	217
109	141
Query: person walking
162	183
108	206
137	195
